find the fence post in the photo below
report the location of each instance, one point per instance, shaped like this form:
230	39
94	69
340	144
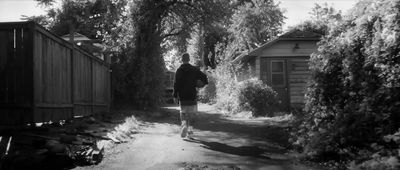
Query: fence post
31	53
92	83
71	40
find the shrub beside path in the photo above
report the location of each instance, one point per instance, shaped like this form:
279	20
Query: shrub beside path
220	143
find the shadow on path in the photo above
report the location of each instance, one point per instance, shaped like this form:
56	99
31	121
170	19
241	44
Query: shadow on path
252	151
217	123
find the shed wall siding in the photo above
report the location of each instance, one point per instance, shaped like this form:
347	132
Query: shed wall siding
298	73
298	76
286	48
258	71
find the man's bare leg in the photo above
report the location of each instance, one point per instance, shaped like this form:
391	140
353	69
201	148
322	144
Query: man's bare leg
190	125
184	124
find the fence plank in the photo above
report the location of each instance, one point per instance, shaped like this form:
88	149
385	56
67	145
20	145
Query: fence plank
38	68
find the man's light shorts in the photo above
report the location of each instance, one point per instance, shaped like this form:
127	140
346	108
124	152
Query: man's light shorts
188	113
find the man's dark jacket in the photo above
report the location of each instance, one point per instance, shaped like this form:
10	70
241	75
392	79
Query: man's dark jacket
185	84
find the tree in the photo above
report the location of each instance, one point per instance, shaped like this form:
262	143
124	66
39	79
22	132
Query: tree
255	23
213	37
201	20
91	18
195	48
324	13
323	17
154	23
234	23
147	68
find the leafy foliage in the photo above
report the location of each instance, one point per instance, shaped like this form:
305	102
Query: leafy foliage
251	24
195	47
233	96
255	23
257	97
240	25
204	22
379	156
146	67
226	87
209	92
352	101
90	18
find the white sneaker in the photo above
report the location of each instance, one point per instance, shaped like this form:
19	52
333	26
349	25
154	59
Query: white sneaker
184	129
190	135
184	132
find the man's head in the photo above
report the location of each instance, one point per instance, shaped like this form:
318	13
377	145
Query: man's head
185	58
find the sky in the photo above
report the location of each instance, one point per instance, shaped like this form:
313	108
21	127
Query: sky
296	10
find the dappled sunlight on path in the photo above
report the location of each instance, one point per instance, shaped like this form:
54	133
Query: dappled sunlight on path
220	143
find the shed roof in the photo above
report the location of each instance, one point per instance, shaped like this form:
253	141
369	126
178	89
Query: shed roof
77	37
300	34
294	34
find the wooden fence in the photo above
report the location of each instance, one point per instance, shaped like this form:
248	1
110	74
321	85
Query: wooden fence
43	77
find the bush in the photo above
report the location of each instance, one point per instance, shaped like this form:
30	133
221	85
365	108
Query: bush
352	101
379	157
256	97
233	96
208	94
249	95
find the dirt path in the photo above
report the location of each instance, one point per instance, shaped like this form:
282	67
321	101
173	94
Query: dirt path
220	143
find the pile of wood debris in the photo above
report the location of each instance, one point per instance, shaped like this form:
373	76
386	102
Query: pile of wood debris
59	145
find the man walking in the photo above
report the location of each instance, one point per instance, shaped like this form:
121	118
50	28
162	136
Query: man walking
187	78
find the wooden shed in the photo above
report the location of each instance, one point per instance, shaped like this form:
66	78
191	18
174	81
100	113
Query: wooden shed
45	78
283	64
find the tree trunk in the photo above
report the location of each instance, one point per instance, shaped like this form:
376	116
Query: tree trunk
148	66
201	46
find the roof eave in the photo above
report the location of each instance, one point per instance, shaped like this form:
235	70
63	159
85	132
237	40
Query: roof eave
301	39
254	52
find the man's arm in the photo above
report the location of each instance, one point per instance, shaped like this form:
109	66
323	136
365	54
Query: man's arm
203	77
177	82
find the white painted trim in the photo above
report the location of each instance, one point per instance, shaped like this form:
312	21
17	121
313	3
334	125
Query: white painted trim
258	68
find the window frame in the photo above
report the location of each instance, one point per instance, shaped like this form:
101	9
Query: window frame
283	73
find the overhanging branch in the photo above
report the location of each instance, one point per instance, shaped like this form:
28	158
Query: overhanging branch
173	34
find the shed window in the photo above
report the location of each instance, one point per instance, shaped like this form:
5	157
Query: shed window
277	73
277	66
